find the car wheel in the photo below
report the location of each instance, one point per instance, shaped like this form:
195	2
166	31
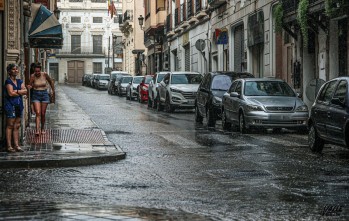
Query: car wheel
316	144
198	117
169	107
225	124
211	119
242	125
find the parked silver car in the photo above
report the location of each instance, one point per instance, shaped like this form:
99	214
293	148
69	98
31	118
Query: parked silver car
132	88
178	90
153	88
101	81
263	103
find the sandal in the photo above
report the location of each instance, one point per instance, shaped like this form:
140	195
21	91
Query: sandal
10	149
37	133
18	149
43	132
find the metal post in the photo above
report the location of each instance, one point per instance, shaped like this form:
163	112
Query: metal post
108	51
113	46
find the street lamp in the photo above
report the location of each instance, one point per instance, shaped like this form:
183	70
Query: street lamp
140	21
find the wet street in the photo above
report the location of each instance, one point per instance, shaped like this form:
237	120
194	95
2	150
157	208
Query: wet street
176	169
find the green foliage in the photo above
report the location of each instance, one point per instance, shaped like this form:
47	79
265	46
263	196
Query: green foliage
278	14
334	10
302	19
329	8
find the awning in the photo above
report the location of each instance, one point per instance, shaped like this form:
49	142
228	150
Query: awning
45	30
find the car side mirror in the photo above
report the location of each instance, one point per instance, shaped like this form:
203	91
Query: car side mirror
234	94
299	95
337	101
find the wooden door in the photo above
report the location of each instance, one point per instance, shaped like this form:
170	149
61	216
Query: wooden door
75	71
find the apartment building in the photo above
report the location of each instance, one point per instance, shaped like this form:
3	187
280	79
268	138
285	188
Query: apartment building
91	40
133	38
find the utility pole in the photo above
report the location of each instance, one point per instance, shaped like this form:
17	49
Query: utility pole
113	50
108	52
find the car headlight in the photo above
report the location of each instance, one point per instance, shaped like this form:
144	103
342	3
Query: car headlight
303	108
175	90
254	108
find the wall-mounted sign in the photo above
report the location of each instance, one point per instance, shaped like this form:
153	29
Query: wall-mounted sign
221	36
2	6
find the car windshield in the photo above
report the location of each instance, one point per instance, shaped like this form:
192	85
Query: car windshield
103	77
148	79
186	79
137	80
160	77
268	88
221	82
126	80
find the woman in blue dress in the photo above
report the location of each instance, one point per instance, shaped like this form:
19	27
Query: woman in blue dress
13	105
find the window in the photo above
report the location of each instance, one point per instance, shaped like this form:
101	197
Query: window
232	87
97	44
97	67
341	91
76	44
75	0
97	19
327	91
238	88
99	1
75	19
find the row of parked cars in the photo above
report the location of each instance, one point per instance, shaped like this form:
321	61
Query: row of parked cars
244	103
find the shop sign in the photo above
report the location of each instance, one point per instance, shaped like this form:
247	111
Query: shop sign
221	36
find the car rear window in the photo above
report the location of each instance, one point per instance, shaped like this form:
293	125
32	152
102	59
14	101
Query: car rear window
126	79
148	79
221	82
186	79
137	80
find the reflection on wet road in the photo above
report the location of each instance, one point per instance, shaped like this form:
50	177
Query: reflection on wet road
175	168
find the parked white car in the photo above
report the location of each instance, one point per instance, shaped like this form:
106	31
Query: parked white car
153	88
132	88
178	90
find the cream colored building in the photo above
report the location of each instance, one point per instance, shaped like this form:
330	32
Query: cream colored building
133	37
88	31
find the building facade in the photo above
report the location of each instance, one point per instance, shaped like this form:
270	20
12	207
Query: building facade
91	36
133	35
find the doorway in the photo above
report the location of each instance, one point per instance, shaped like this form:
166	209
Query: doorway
75	71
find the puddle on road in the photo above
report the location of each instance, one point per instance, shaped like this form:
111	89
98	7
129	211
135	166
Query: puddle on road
62	211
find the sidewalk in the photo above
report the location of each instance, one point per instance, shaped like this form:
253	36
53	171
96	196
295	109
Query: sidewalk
71	139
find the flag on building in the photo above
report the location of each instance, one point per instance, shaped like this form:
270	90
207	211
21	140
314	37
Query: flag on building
111	8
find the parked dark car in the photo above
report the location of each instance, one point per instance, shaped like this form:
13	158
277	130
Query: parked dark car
208	101
115	77
329	115
86	79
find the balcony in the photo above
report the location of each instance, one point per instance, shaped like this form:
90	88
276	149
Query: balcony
127	21
82	52
216	3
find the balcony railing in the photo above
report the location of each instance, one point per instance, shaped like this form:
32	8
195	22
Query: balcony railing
183	16
198	6
83	51
128	15
168	23
289	6
176	17
190	9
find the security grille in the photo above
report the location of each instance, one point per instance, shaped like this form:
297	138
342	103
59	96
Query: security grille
187	58
239	48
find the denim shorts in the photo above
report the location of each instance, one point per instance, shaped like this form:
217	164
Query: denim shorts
40	96
13	112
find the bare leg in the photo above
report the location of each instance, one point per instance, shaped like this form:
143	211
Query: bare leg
43	116
9	128
37	107
17	125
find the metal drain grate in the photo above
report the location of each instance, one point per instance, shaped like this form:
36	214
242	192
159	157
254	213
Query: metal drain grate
66	136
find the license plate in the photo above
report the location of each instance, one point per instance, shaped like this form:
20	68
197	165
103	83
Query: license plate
190	101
